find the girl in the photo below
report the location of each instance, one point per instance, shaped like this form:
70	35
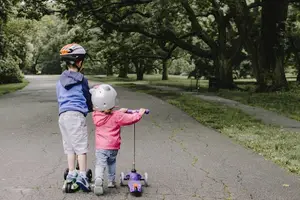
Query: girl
108	123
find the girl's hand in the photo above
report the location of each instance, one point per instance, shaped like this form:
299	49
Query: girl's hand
142	111
124	110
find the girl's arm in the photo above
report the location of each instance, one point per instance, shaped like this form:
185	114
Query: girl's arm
125	119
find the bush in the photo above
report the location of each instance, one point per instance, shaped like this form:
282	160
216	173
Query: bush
179	66
51	67
10	71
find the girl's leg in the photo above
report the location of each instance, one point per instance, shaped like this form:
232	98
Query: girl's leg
111	162
101	163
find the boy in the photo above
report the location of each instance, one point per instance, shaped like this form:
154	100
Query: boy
75	103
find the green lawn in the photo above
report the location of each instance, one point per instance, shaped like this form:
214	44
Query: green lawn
7	88
280	146
174	80
286	103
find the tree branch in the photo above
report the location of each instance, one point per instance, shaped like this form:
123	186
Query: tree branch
188	35
147	56
196	26
171	51
260	3
124	3
170	36
204	14
129	13
166	35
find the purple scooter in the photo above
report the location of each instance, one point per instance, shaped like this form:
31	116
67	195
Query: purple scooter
134	179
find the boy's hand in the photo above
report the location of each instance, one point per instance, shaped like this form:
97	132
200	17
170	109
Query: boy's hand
142	111
124	110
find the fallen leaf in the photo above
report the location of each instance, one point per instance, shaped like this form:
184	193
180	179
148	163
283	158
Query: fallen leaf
285	185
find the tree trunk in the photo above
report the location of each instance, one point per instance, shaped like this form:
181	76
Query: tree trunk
139	68
109	71
165	69
124	71
257	60
279	79
2	40
274	13
297	58
224	72
33	69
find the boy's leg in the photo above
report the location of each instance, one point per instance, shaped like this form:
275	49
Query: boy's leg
80	145
71	161
82	160
111	162
101	163
67	145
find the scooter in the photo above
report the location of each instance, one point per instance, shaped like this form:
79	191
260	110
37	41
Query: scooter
72	187
134	179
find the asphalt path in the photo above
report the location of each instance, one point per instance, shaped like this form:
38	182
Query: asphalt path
184	159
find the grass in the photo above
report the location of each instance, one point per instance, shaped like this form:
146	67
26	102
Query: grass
7	88
285	102
175	81
280	146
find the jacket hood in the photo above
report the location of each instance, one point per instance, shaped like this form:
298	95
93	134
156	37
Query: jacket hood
70	78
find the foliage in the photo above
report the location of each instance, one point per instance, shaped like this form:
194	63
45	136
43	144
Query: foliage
220	38
19	36
48	44
9	71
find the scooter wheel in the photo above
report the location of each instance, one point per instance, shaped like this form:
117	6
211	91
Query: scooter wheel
68	188
122	176
146	179
89	175
77	166
66	173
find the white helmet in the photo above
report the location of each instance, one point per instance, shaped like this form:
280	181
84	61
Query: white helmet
104	97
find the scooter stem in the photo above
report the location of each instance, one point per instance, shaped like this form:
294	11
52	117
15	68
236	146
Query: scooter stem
133	164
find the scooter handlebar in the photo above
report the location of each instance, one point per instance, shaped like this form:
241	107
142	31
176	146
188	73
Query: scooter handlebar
136	111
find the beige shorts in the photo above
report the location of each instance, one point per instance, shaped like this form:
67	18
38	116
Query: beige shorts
74	132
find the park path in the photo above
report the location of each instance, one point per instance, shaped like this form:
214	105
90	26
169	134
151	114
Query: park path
184	159
266	116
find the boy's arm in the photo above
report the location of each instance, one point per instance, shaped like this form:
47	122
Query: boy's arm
125	119
87	94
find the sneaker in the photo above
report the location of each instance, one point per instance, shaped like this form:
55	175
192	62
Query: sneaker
111	184
71	177
83	183
98	186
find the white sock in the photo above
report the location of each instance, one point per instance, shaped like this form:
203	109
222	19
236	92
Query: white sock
72	172
82	173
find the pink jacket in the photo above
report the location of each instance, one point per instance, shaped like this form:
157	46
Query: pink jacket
108	128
